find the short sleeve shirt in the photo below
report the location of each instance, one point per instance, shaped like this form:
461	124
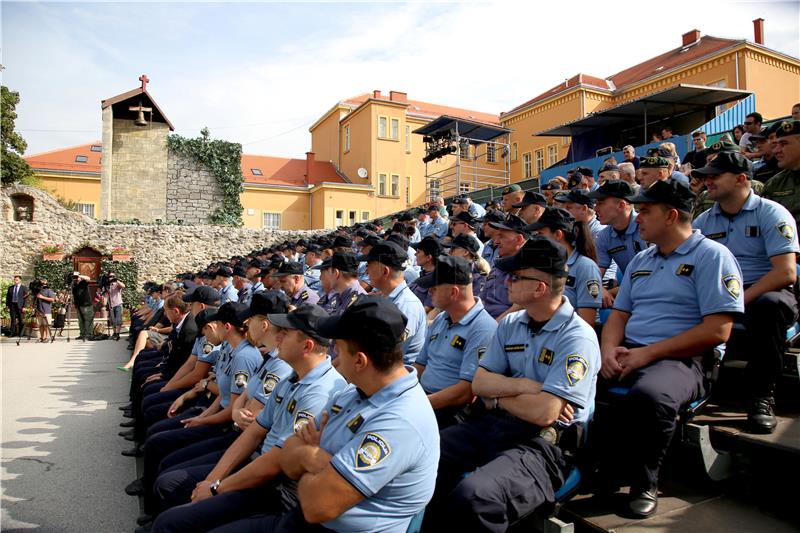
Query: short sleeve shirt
667	295
43	307
411	307
243	362
760	230
619	247
294	403
272	371
205	351
564	356
452	351
387	447
583	284
228	294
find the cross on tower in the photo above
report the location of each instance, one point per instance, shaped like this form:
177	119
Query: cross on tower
144	79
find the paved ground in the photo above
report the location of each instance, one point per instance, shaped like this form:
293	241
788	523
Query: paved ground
61	467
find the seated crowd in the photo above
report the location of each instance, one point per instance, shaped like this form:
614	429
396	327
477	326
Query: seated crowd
449	363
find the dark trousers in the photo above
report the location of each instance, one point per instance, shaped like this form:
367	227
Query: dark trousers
640	426
513	472
175	484
288	522
85	319
767	318
153	407
17	323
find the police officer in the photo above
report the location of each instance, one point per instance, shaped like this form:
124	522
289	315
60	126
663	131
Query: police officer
510	236
438	225
456	338
531	206
512	194
226	494
372	466
677	302
549	189
367	242
538	379
653	169
339	271
427	250
489	247
293	283
581	206
464	246
385	264
242	285
253	272
222	282
784	187
762	235
312	258
465	224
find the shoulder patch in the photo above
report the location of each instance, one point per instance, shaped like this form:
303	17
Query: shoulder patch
301	419
270	382
593	287
640	273
372	450
733	285
577	368
240	378
353	298
684	270
785	229
207	348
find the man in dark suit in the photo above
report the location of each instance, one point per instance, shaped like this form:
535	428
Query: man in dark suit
15	302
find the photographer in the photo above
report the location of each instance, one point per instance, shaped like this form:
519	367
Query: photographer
44	298
114	289
82	299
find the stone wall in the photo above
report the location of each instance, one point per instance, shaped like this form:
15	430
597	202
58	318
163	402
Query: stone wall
138	186
193	193
160	250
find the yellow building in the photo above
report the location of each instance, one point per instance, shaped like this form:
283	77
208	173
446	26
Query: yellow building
774	77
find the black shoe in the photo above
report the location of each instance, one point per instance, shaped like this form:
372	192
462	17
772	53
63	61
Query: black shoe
127	414
128	424
136	451
80	338
126	407
760	418
128	433
643	503
144	529
144	520
135	488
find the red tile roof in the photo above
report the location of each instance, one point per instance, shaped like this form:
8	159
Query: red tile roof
274	170
707	45
428	110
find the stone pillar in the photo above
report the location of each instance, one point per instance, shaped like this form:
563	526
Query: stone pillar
106	164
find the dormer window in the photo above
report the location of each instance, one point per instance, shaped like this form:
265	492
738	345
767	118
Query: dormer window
97	148
256	172
81	159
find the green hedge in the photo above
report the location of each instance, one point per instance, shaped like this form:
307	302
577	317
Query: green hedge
127	272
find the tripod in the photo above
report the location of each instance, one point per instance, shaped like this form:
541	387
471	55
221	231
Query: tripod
62	315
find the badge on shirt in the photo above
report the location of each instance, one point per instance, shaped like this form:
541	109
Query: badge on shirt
570	281
270	381
372	450
778	194
715	236
353	298
593	287
546	356
278	399
304	295
292	405
617	249
752	231
640	273
514	347
433	337
355	423
240	378
732	285
302	418
336	409
577	368
786	230
684	270
458	342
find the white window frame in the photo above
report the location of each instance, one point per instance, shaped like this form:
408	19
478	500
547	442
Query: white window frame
552	154
338	218
364	216
527	166
394	129
347	138
434	188
271	224
87	208
491	153
352	217
382	184
514	152
383	124
539	158
464	188
395	185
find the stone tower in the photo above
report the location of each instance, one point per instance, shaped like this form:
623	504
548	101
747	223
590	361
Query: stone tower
134	165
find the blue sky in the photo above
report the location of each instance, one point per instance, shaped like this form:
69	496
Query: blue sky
261	73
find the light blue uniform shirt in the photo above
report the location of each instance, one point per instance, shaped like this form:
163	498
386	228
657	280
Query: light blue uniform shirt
489	252
424	229
228	294
476	210
411	307
761	230
387	447
595	227
272	371
495	293
312	279
439	228
221	371
667	295
416	237
242	365
619	247
157	304
451	351
410	274
295	402
258	287
205	351
564	356
583	284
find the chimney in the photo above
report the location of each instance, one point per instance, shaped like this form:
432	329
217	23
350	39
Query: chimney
377	94
758	31
397	96
309	165
690	37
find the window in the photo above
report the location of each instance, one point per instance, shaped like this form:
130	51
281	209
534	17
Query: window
81	159
514	152
539	161
381	184
86	209
339	220
256	172
491	157
364	216
395	129
463	188
97	148
272	221
552	155
565	141
408	189
433	189
395	185
352	217
527	171
382	127
464	150
347	138
408	139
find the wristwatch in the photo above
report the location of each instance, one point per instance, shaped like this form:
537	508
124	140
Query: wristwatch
214	486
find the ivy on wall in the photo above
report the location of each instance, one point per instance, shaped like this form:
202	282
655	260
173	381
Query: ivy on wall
224	160
58	272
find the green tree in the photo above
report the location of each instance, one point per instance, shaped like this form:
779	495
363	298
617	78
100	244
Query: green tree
12	167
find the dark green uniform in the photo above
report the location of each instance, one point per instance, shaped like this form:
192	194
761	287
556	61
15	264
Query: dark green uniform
784	188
